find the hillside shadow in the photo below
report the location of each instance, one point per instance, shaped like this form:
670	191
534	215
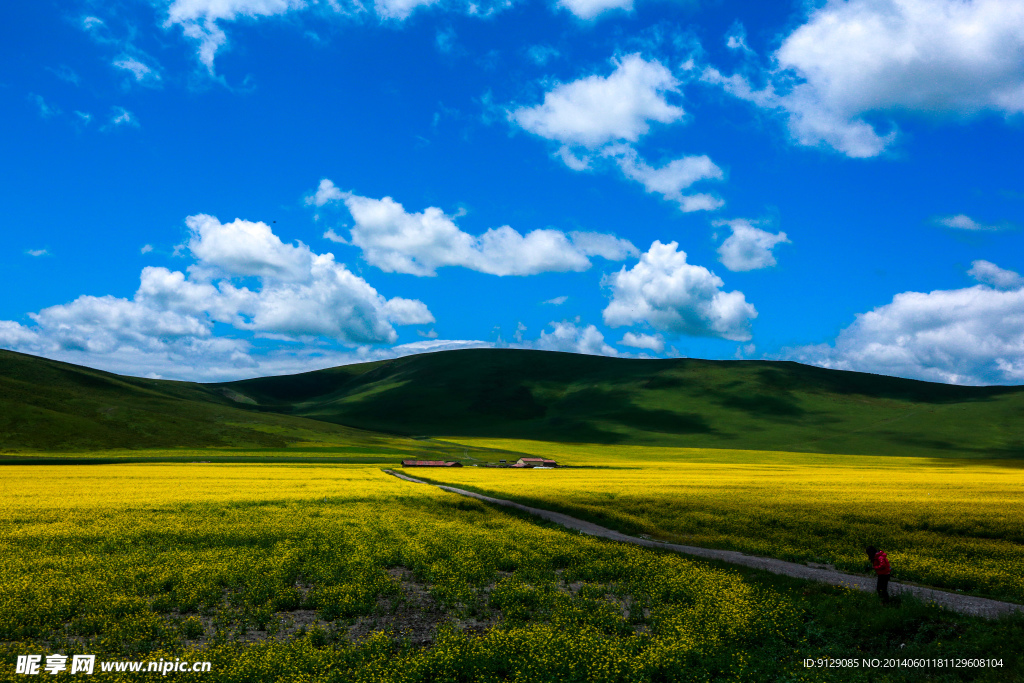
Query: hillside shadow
844	382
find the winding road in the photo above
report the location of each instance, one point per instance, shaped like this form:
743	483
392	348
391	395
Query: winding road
965	604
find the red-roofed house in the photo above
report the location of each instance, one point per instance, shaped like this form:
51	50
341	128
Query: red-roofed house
535	462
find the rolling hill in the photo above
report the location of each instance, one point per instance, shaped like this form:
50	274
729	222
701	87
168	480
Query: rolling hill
759	405
47	405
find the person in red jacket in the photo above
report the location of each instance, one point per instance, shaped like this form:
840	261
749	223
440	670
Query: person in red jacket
880	563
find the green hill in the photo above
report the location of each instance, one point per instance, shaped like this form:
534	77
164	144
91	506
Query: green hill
760	405
51	406
680	402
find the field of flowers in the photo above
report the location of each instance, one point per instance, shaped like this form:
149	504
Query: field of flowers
956	524
343	573
268	571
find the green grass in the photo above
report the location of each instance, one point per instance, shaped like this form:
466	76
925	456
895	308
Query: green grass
754	405
48	407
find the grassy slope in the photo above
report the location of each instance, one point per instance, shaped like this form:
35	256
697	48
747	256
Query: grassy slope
47	405
563	397
503	393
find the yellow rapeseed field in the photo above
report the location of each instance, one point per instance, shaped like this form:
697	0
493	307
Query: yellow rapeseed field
957	524
270	572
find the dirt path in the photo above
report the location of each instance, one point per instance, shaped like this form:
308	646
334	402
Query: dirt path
965	604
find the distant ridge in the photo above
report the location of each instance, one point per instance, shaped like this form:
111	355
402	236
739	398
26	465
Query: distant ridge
761	405
510	393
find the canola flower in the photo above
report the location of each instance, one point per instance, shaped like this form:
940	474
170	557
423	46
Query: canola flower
208	562
953	524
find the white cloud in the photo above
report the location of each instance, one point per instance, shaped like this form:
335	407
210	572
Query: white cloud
589	9
810	122
989	273
167	327
84	117
595	110
604	245
653	342
198	19
671	179
329	234
122	117
395	240
671	295
139	70
600	117
333	303
963	222
962	336
161	289
146	248
407	311
566	336
203	20
325	193
244	248
851	58
400	9
37	252
16	336
748	247
104	324
557	301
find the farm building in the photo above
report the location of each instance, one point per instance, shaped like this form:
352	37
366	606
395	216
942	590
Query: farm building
430	463
535	462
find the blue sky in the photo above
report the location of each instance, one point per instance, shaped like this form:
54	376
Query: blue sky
217	189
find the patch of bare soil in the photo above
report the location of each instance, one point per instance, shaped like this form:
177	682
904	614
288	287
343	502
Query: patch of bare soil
413	614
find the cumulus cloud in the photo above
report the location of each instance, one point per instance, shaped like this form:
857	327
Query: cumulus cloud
567	336
293	293
748	247
595	110
963	222
652	342
671	295
989	273
852	58
962	336
601	117
589	9
398	241
244	248
326	192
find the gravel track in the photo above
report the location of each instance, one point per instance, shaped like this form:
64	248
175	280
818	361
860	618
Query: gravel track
965	604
